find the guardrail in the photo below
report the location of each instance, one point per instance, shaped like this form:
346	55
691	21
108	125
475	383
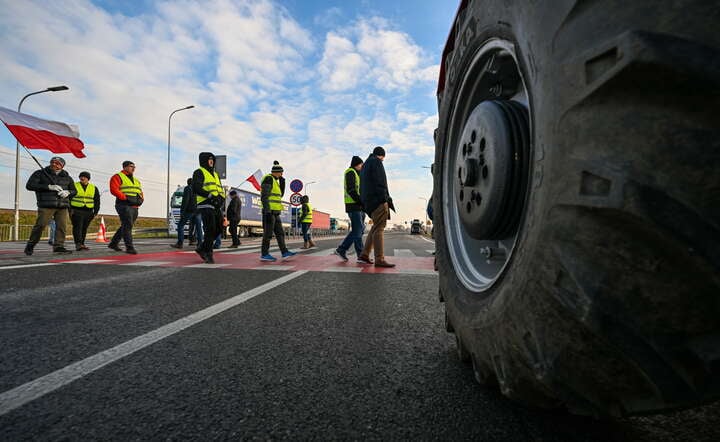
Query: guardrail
6	232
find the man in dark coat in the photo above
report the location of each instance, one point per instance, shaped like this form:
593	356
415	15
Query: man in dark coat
188	212
53	189
233	217
210	198
377	203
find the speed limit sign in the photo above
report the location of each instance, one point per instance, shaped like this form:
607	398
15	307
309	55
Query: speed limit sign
296	199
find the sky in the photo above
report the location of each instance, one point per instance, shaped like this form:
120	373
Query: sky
308	83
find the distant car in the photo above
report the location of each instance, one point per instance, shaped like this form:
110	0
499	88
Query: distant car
416	227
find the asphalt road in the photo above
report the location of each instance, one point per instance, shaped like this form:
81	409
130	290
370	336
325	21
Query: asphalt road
108	346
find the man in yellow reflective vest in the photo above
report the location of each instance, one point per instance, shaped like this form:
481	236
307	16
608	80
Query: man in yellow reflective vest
354	209
272	190
210	199
306	218
84	206
128	198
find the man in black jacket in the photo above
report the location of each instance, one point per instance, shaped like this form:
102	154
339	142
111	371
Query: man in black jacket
233	217
377	203
53	189
188	212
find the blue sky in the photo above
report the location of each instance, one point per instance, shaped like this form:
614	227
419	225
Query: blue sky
308	83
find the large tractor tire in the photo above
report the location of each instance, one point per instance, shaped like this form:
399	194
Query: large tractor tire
577	201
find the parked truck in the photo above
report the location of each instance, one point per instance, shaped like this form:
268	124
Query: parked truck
339	225
577	196
416	227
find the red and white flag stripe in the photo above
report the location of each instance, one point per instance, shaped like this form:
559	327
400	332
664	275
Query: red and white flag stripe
255	179
36	133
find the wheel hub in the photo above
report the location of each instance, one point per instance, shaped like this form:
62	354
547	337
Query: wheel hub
492	169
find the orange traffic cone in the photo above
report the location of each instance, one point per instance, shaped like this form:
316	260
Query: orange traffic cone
101	231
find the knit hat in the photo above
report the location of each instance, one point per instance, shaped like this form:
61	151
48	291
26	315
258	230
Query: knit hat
84	174
379	151
277	167
127	163
59	160
355	161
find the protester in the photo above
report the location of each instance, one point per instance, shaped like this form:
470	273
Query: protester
84	206
53	189
306	219
273	188
354	209
188	213
377	203
233	217
128	199
210	199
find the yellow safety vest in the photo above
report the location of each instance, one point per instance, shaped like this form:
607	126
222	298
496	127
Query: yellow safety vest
84	197
275	198
211	184
348	198
129	187
307	217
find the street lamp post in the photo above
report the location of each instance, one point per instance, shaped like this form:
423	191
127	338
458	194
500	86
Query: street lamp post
425	209
16	233
168	159
307	186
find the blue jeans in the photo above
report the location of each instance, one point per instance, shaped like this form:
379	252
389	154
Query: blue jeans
305	231
354	237
194	218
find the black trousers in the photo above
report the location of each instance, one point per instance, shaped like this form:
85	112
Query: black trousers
272	224
233	227
212	226
128	215
81	219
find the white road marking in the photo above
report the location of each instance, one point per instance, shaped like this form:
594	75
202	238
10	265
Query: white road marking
89	261
325	252
205	266
405	253
27	266
147	263
427	239
273	267
19	396
344	269
430	251
417	272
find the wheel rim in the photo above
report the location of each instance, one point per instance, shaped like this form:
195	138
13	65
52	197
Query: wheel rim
487	166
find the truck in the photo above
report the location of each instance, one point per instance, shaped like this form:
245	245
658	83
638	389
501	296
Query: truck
339	225
576	201
416	227
251	212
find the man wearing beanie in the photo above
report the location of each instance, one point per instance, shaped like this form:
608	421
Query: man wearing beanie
84	206
272	190
354	209
128	197
53	189
377	203
210	199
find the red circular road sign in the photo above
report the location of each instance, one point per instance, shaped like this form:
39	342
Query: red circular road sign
296	199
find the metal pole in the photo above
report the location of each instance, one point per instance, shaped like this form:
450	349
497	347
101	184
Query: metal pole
16	231
425	209
167	188
307	186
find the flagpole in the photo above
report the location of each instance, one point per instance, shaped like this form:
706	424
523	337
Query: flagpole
16	232
167	200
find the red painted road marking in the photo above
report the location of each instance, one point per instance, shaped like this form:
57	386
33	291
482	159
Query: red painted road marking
252	261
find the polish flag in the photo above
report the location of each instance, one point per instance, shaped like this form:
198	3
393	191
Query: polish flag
255	178
36	133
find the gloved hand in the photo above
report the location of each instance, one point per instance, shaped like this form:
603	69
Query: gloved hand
55	188
64	193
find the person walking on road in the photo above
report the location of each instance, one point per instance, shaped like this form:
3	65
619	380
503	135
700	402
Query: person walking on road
210	199
84	206
233	217
188	213
354	209
128	199
377	203
306	219
273	188
53	189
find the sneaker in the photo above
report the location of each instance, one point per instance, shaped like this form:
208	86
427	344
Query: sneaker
29	249
268	258
131	250
362	259
177	245
383	263
62	250
202	254
341	254
288	254
114	247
